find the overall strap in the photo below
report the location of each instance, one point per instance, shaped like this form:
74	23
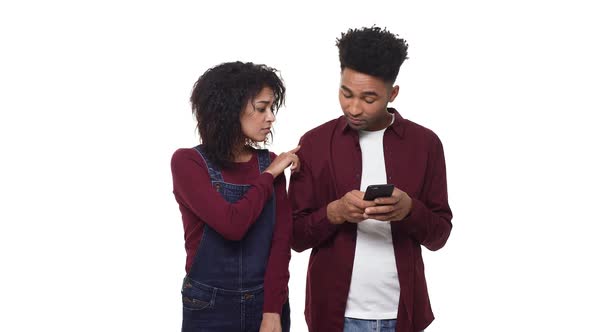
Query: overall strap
263	159
214	172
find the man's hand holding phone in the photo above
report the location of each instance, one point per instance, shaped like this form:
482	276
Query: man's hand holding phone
380	202
394	207
350	207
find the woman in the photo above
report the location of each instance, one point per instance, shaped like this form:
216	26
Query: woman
234	207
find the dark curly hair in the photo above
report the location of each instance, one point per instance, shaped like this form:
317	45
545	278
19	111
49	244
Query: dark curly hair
218	98
373	51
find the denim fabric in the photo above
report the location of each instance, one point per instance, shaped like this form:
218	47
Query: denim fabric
223	290
210	309
364	325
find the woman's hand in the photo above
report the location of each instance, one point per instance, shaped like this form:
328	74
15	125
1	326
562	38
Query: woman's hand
271	322
283	161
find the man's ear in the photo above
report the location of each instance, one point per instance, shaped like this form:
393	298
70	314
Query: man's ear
394	92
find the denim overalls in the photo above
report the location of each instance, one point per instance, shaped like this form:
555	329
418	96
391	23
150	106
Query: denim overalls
223	291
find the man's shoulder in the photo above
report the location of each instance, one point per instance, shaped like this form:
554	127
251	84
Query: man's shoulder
323	130
421	137
417	130
315	143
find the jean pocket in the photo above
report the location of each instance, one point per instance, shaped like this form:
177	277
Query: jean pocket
197	297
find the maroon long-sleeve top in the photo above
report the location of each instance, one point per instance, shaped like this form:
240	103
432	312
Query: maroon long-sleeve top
331	164
200	204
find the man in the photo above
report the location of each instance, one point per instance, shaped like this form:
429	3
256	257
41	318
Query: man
365	268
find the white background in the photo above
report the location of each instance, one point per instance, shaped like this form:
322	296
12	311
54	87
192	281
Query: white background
94	101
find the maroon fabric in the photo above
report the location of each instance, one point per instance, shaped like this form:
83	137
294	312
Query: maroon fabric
201	204
331	166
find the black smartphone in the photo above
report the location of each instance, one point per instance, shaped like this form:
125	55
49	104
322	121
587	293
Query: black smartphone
378	190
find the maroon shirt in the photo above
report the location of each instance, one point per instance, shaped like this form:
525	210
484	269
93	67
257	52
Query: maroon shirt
201	204
330	167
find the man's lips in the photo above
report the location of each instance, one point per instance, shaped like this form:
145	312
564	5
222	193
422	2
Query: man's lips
355	121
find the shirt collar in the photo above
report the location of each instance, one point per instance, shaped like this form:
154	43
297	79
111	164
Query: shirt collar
398	125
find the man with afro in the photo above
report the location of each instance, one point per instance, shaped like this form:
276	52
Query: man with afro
366	271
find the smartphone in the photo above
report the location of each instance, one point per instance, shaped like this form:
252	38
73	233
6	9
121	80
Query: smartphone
378	190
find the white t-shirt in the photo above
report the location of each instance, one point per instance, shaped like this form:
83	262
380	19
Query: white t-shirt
374	287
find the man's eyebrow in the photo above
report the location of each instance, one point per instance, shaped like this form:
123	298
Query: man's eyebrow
266	102
365	93
370	93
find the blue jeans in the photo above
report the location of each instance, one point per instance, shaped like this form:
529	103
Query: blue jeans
208	309
364	325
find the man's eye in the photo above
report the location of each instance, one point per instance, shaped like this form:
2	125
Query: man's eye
369	101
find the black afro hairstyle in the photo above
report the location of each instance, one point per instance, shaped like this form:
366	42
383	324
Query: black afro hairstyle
218	98
372	51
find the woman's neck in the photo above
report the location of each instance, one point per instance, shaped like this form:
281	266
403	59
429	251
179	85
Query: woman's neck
243	154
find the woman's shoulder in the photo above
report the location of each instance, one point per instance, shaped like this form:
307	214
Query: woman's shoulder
184	153
186	156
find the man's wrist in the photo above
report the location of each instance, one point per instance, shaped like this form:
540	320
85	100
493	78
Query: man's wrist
332	213
410	206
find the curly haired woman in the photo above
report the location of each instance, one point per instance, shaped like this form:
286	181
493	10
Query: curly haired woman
234	206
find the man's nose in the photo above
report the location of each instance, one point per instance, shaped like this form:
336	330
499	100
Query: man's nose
355	108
